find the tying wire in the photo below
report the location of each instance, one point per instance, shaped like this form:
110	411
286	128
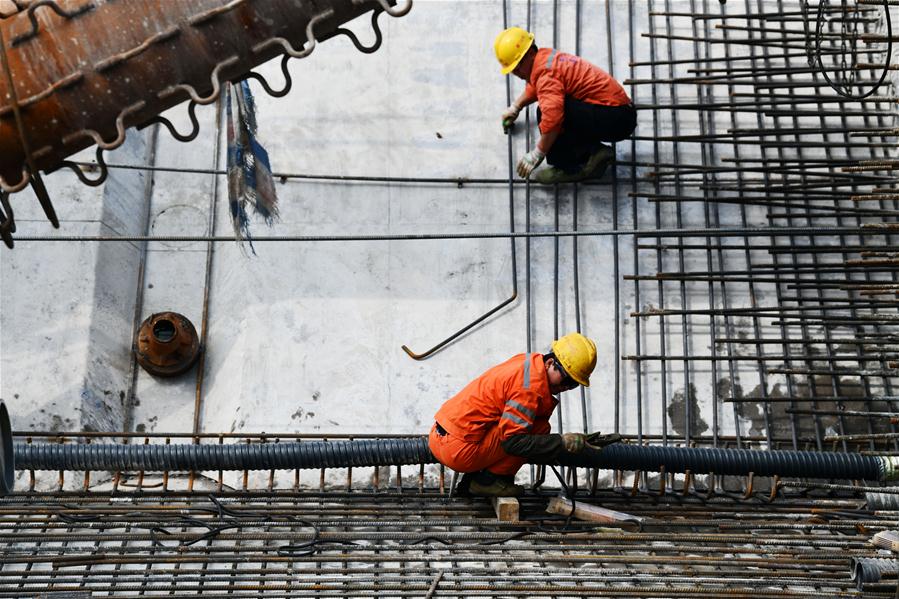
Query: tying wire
815	53
567	493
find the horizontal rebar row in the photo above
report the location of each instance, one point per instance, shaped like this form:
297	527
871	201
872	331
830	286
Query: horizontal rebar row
282	546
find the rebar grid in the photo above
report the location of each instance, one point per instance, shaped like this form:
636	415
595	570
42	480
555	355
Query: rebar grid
740	135
285	544
764	148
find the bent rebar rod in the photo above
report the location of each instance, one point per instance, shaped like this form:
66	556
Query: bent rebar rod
514	295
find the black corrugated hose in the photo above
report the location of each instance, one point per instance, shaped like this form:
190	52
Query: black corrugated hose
414	450
386	452
804	464
237	456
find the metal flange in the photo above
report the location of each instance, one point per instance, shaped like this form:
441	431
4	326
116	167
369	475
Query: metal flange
167	344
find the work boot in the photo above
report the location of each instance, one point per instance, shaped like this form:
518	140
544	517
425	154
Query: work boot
598	162
553	175
463	486
594	168
487	484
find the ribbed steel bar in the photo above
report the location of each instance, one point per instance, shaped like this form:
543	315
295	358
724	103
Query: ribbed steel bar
660	287
801	181
707	127
190	547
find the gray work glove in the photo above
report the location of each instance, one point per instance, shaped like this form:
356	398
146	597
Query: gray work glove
510	115
529	162
600	440
573	442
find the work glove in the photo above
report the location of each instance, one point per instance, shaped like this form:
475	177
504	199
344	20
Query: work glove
573	442
510	115
600	440
529	162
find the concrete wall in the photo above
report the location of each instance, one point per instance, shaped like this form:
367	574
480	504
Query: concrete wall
66	309
305	336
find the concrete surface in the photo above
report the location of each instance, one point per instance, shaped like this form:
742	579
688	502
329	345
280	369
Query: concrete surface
305	337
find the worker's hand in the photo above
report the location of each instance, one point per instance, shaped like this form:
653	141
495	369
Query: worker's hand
573	442
598	439
510	115
529	162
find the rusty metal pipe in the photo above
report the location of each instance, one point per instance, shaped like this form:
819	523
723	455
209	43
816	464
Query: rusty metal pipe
83	71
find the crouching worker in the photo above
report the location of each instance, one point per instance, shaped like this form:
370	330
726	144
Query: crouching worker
500	420
579	107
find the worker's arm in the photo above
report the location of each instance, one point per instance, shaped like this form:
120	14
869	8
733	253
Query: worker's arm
532	159
543	449
551	97
539	449
528	96
519	413
547	140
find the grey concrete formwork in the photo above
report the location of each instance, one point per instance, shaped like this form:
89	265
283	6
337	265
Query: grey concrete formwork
305	336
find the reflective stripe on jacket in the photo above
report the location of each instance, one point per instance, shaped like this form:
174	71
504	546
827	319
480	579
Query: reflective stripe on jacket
557	74
513	396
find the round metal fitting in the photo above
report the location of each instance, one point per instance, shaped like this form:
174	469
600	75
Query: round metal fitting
167	344
7	463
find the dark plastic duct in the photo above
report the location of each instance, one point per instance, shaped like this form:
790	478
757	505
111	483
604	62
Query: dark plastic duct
237	456
384	452
803	464
388	452
866	570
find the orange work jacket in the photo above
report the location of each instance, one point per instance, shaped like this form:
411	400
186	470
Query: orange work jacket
513	396
557	74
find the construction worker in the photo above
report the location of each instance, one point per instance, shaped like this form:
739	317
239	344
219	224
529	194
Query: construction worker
579	107
500	420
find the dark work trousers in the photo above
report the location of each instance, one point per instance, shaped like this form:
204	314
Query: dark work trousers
584	128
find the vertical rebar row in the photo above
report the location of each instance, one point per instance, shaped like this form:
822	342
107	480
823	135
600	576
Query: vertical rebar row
778	159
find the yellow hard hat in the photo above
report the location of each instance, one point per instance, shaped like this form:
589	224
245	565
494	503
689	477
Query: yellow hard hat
577	355
510	46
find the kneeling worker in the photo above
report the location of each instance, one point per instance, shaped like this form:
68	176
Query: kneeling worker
579	107
500	420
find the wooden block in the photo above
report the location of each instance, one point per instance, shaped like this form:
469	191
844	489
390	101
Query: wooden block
507	508
593	513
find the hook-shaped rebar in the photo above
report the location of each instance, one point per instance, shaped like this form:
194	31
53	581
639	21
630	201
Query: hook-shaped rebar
392	10
378	35
79	172
51	4
182	137
461	331
288	80
308	45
